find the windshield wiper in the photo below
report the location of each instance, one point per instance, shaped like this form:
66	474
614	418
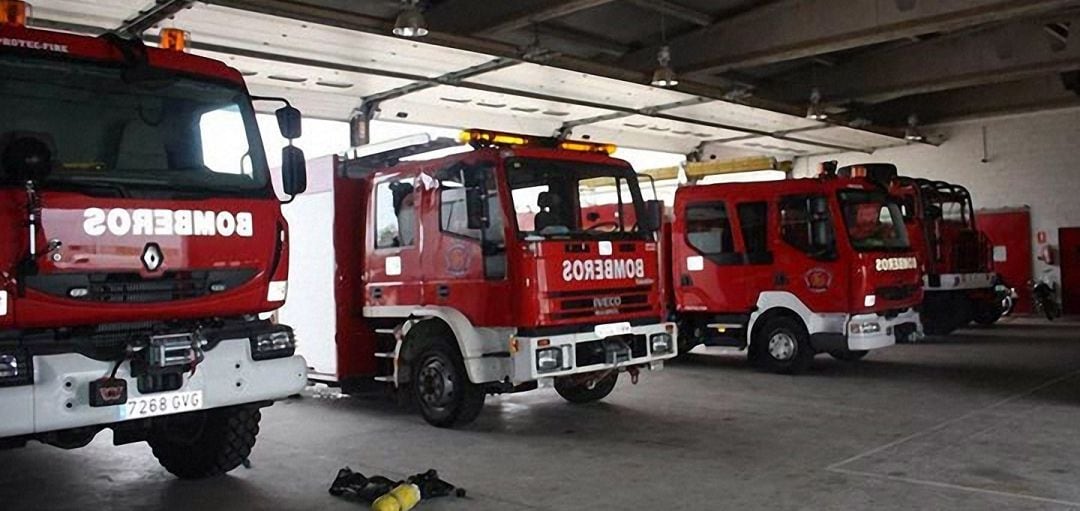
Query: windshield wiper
81	185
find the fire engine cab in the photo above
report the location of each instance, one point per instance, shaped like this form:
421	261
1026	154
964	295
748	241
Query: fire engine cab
480	273
785	270
959	279
138	247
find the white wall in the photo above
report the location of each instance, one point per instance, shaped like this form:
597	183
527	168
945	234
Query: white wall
1031	160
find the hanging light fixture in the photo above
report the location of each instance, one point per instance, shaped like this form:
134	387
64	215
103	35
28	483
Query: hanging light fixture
814	112
664	75
410	21
913	133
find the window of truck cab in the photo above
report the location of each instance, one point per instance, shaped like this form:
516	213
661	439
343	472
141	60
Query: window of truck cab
874	221
395	213
807	225
175	136
568	199
454	181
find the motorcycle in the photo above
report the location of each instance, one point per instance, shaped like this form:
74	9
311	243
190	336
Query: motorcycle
1044	294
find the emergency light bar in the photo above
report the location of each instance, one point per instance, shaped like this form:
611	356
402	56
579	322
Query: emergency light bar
481	138
14	12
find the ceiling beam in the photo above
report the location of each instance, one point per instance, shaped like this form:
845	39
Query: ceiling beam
526	17
998	54
676	11
577	37
794	29
1019	97
150	16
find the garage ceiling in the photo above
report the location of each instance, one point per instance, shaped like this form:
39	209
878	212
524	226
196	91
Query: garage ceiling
582	66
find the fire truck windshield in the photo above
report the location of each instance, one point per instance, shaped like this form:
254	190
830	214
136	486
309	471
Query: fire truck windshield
104	134
568	199
874	221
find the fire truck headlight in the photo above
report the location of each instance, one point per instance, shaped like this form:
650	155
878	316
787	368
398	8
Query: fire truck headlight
278	343
870	300
865	327
660	344
549	359
15	369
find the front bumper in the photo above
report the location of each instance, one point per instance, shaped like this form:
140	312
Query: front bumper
59	397
585	352
860	335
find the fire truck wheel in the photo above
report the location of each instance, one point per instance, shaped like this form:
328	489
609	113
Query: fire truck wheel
575	389
783	346
988	314
441	387
205	444
849	355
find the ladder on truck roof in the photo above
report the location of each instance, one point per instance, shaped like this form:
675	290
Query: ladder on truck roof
367	159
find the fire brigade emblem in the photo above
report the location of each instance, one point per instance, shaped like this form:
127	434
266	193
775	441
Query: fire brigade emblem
818	280
457	260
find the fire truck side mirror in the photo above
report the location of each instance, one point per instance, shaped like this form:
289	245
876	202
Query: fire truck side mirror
654	216
289	122
293	171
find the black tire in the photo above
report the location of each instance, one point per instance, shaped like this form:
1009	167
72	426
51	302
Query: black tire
205	444
782	345
849	355
575	389
987	314
441	388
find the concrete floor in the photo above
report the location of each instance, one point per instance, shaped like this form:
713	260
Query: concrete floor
986	419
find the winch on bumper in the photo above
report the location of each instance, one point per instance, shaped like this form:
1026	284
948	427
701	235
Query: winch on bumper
869	331
42	391
606	347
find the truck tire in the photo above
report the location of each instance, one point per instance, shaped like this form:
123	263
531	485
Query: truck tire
441	387
849	355
987	313
205	444
782	346
575	389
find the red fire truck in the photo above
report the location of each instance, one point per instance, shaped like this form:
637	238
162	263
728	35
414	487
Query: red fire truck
480	273
959	280
139	247
785	270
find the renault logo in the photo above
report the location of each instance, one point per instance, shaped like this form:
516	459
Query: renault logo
152	257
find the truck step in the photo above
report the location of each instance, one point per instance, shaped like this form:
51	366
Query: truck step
385	379
386	331
388	354
726	326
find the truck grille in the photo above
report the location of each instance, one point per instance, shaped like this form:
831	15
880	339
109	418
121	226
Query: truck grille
600	302
133	288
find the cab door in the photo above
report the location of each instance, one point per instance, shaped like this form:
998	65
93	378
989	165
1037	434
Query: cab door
707	263
807	254
465	260
394	238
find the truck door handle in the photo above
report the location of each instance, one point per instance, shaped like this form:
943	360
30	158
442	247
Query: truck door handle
442	290
376	292
685	280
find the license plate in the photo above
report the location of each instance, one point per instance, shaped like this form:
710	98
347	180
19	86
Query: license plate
612	329
162	404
